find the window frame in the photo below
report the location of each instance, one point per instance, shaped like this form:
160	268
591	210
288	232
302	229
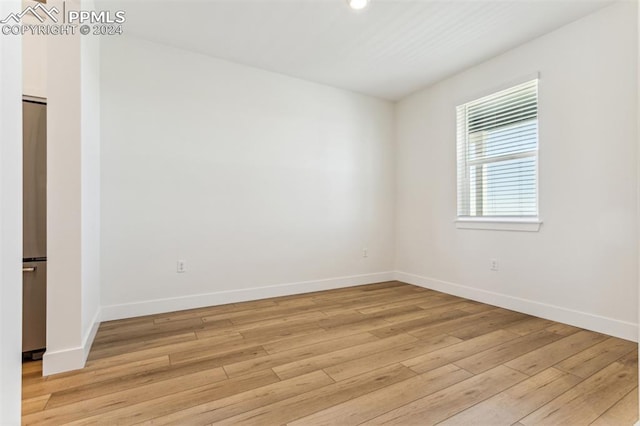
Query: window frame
503	223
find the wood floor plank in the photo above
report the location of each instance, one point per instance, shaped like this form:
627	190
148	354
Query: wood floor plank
228	341
474	307
337	321
369	298
124	335
341	293
411	300
300	301
183	315
371	405
450	354
317	362
310	338
176	401
562	329
505	352
529	325
378	297
32	367
142	344
483	326
291	313
338	310
69	412
511	405
441	305
57	384
270	361
362	292
310	402
359	327
258	314
442	299
286	321
465	322
397	354
422	302
389	314
156	324
221	359
33	378
128	381
216	409
106	326
445	403
297	329
540	359
624	412
354	326
279	332
591	398
595	358
424	317
35	404
415	322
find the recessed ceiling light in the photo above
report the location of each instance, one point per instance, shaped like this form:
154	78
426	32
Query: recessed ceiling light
358	4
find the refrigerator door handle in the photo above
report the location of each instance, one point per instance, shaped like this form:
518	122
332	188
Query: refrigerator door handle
30	269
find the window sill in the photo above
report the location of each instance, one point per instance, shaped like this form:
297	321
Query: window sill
500	224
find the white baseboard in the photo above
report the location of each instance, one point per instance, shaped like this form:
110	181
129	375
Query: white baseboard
63	360
72	358
91	334
610	326
150	307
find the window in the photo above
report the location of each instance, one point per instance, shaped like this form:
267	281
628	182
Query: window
497	138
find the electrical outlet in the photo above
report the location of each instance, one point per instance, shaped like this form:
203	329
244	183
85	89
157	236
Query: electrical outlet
493	265
181	266
365	252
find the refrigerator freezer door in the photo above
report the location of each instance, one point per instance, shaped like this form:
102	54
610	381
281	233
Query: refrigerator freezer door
34	306
34	172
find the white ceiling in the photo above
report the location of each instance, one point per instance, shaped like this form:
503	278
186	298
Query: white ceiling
389	50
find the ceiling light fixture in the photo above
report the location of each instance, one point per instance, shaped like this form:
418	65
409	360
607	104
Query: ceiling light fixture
358	4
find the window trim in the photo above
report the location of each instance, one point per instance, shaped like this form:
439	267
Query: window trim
528	224
504	223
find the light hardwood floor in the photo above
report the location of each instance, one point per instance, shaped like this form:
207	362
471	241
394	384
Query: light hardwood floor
381	353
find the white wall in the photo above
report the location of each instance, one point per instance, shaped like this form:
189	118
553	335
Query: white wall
73	183
582	266
253	178
10	222
90	171
64	250
34	59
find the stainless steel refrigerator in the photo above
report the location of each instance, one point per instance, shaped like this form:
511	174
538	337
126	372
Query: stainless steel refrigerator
34	251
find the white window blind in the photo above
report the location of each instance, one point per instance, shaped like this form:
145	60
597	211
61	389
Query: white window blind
497	138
